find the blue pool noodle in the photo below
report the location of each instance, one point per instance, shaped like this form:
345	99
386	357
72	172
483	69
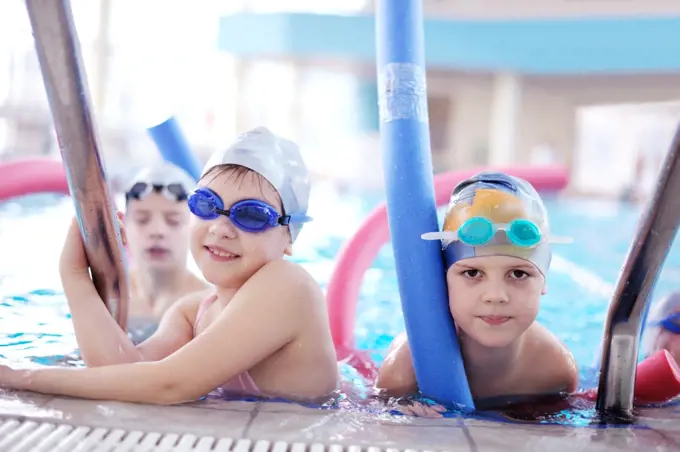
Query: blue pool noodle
174	147
411	208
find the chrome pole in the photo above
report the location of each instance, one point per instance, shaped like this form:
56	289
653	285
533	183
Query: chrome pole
641	268
63	72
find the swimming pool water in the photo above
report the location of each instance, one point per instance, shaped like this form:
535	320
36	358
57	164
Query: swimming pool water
35	325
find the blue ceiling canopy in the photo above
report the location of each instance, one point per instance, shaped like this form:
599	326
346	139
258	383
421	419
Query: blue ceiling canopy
546	46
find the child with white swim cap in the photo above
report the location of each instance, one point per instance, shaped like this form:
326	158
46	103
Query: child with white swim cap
662	327
262	330
497	251
157	228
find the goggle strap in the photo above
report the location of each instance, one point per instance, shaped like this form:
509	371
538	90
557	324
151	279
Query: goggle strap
299	218
443	235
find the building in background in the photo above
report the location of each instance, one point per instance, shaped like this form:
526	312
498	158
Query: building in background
509	81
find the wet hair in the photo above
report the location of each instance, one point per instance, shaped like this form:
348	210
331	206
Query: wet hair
238	173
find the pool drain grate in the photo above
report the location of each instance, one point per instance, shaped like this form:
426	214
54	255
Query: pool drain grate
29	435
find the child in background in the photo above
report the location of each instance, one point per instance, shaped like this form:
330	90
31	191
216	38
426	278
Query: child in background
157	228
662	328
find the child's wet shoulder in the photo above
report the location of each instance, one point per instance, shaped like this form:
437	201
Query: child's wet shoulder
190	302
286	279
286	273
558	363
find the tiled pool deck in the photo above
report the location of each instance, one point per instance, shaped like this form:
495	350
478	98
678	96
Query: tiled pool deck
26	419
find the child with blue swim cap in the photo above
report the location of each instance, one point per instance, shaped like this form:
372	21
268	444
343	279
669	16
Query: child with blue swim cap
497	248
262	330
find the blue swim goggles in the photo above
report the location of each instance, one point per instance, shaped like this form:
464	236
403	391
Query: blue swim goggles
671	323
249	215
478	231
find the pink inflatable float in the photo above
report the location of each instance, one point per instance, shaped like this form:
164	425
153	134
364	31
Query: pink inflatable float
32	176
358	254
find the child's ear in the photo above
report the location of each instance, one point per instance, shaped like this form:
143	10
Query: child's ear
288	251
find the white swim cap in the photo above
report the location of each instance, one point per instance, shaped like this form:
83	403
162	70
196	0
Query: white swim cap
276	159
662	308
166	177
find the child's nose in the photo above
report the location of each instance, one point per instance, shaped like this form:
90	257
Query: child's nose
496	293
223	227
158	228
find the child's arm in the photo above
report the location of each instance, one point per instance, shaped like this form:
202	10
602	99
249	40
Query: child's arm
569	372
558	370
559	374
397	377
100	340
265	315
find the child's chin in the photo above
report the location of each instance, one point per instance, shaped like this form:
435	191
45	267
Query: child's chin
494	340
217	278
